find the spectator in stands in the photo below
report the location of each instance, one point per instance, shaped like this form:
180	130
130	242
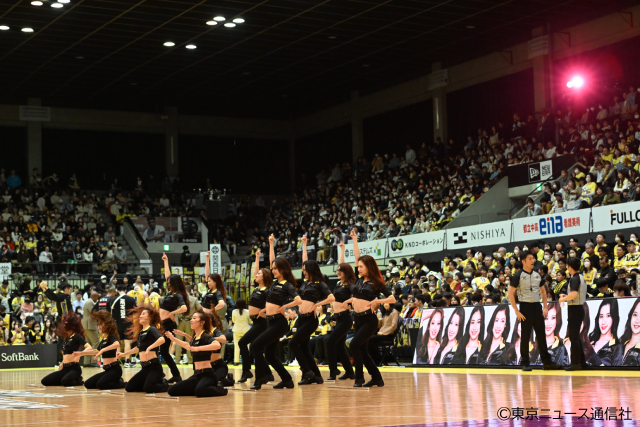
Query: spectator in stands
532	208
13	181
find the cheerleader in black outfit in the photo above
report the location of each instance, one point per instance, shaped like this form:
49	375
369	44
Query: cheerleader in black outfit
366	293
69	372
203	382
257	303
111	378
336	340
264	347
175	302
216	295
314	293
148	339
216	331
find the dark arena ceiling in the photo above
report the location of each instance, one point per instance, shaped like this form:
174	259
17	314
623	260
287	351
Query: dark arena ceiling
288	58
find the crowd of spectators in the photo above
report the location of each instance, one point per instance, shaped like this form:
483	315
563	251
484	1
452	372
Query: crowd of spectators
610	268
398	193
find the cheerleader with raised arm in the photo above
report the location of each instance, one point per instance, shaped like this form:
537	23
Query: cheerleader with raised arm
264	347
257	303
314	293
366	300
175	302
336	341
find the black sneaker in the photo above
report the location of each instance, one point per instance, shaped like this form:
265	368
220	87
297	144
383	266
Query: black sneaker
573	368
306	381
347	376
270	377
373	382
245	377
527	368
284	384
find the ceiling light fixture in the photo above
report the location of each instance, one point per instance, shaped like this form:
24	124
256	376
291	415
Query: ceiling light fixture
36	3
220	18
27	30
79	57
169	44
212	23
470	27
3	28
57	5
239	21
229	25
64	1
191	46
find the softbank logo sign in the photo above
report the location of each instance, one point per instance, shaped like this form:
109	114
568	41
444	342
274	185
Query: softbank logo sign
18	357
621	218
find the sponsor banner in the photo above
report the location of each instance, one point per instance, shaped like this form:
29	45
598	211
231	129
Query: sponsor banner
537	172
416	244
442	329
215	259
5	270
375	248
241	274
168	230
615	217
545	226
478	235
540	171
28	356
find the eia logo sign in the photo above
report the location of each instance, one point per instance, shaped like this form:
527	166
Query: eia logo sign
397	245
551	225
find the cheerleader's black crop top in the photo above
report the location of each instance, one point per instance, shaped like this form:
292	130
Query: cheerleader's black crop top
216	333
147	337
342	292
280	292
201	341
364	290
106	342
172	302
211	299
258	297
74	343
314	291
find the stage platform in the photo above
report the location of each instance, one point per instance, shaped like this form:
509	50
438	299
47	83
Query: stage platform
411	396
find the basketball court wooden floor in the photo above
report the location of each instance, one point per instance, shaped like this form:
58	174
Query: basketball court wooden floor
417	397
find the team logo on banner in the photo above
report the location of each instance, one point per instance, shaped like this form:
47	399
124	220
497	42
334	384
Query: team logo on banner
397	245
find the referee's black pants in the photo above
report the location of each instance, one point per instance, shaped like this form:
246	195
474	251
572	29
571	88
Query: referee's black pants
532	311
576	317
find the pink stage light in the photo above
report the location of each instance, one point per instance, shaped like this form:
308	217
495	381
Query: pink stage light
576	82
